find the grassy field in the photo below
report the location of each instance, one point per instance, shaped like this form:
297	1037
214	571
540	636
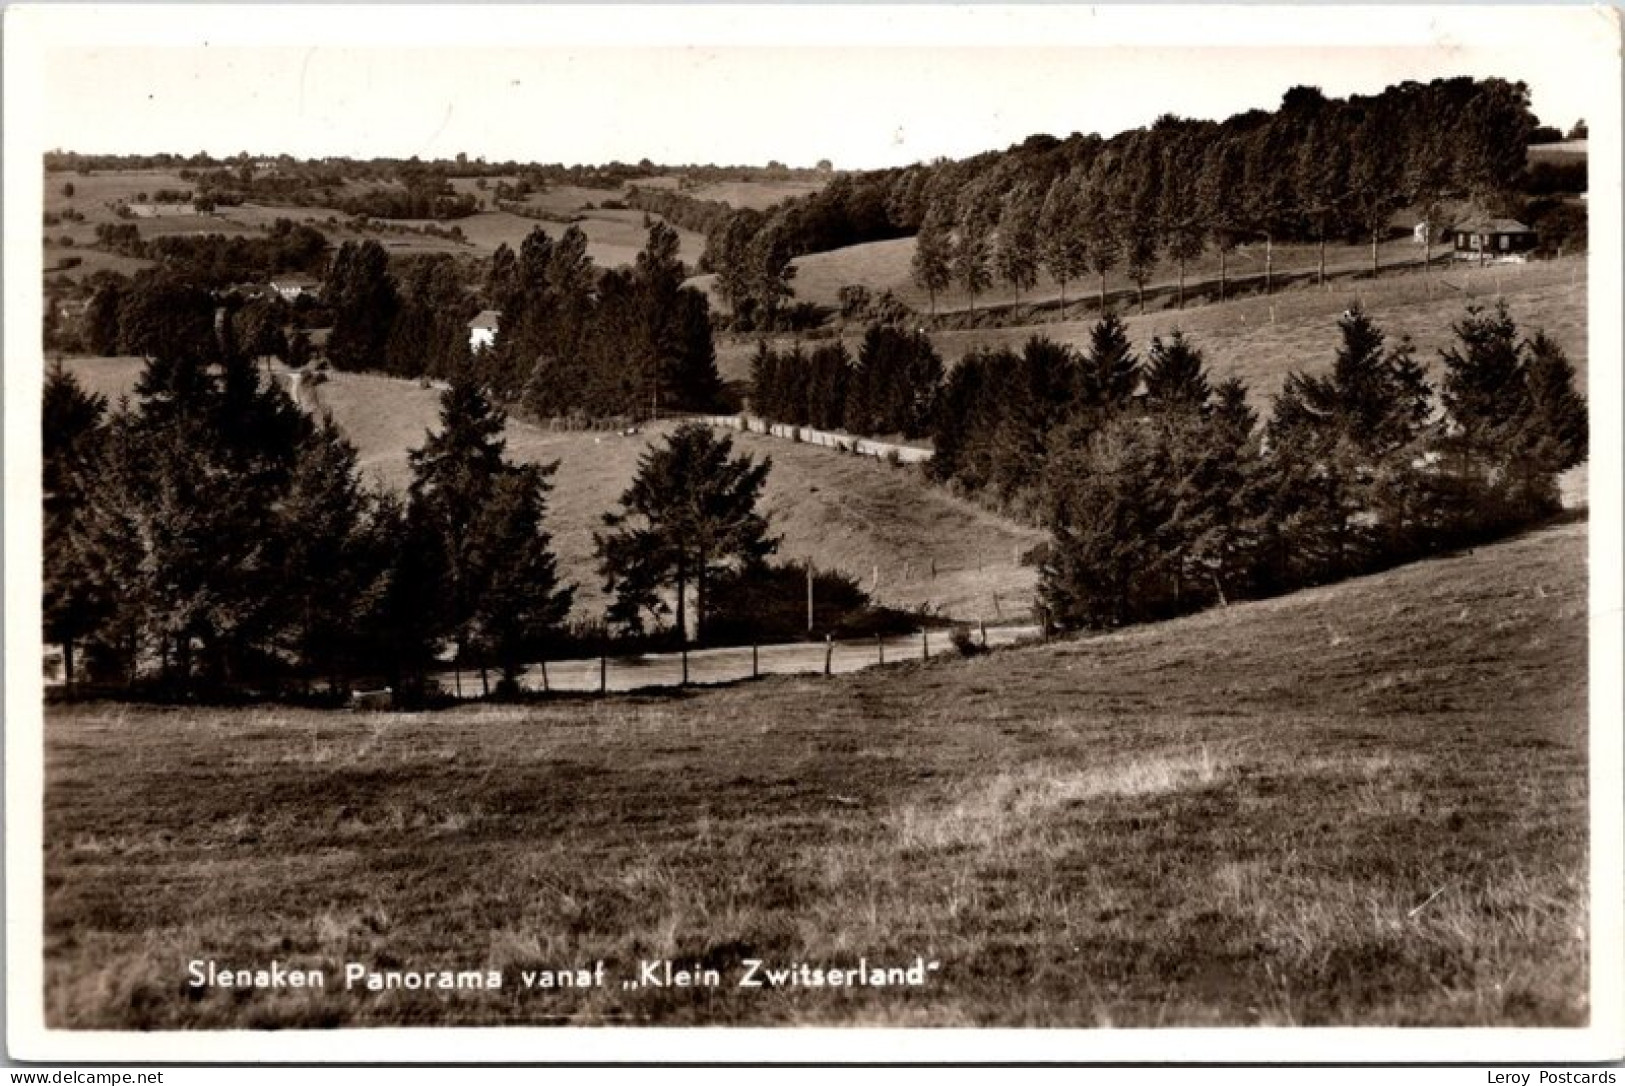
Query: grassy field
1262	339
614	238
885	265
842	512
1362	804
931	549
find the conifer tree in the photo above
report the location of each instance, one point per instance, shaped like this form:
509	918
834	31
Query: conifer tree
1175	374
71	421
690	513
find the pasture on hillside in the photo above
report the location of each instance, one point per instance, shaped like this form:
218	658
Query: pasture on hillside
1364	804
1262	339
886	265
855	514
614	237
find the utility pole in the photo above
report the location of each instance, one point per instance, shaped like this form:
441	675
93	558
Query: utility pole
809	597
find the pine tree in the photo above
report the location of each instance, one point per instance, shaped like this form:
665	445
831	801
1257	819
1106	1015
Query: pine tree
690	513
1555	429
1111	372
71	422
331	565
1175	374
499	595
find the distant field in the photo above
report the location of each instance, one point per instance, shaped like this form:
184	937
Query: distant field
755	194
1566	151
1261	339
614	237
92	194
1362	805
885	265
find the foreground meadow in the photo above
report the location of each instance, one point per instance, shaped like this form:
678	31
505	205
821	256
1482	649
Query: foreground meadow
1362	804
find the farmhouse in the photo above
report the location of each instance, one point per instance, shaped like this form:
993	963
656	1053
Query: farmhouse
1486	239
482	330
293	287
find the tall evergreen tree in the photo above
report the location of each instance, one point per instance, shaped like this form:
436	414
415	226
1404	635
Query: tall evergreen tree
690	513
71	422
500	596
1175	374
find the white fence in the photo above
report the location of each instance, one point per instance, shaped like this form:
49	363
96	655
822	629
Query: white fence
862	446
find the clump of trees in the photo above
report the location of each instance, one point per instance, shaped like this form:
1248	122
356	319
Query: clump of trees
891	387
1173	497
576	340
1315	169
208	536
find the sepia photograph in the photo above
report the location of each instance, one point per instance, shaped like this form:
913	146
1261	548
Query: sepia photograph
980	532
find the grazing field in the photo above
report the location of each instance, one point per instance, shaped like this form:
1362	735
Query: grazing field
1361	805
856	514
614	237
1262	339
885	265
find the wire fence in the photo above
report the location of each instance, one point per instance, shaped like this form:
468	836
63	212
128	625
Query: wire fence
721	666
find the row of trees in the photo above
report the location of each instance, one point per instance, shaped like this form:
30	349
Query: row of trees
1315	169
890	388
1164	494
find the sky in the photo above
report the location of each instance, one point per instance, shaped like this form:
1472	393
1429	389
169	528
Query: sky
604	84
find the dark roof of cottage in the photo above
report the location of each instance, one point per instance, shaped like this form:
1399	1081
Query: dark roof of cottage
1493	226
488	318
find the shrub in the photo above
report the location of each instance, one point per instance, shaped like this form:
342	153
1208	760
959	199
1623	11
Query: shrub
964	641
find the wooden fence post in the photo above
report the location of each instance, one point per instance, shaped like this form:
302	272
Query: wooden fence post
685	663
545	687
755	671
603	672
829	651
880	646
984	633
925	643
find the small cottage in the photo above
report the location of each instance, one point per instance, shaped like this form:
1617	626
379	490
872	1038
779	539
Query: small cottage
482	330
1492	239
293	287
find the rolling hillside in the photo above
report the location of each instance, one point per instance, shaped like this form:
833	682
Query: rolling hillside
1364	804
1262	339
842	512
614	237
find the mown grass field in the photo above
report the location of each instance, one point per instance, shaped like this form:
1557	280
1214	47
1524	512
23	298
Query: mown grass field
1262	339
1362	804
